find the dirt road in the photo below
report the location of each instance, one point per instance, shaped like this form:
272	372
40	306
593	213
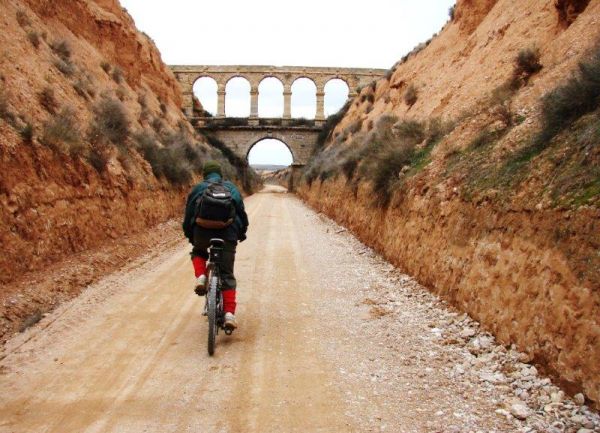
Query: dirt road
331	339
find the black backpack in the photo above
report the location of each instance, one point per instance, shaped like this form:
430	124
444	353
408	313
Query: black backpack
215	208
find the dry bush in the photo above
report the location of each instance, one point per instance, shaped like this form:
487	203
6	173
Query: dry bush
163	108
579	95
117	75
34	38
527	62
411	95
167	162
65	66
62	133
48	100
111	122
26	133
410	129
84	87
23	18
5	112
62	49
105	66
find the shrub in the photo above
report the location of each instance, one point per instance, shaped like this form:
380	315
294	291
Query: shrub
412	130
164	161
411	95
163	108
5	112
26	133
452	12
527	63
105	66
65	66
34	38
158	125
61	132
388	167
117	75
371	98
48	100
83	88
62	49
330	124
568	102
23	18
349	166
111	121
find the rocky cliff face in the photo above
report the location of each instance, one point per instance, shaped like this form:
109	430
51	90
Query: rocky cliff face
442	167
93	144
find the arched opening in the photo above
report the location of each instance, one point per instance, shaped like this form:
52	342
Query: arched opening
270	98
304	98
336	95
205	90
237	98
270	154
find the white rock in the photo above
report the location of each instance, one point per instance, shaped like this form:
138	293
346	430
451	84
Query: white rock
467	332
520	411
557	397
585	430
495	378
579	399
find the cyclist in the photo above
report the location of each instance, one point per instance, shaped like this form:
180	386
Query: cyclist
232	231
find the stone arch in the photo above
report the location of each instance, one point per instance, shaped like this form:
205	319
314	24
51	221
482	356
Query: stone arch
238	97
266	90
279	139
208	95
304	101
335	97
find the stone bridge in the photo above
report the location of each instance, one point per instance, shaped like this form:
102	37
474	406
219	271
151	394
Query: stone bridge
241	134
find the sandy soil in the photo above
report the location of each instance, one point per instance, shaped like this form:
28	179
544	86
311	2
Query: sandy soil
331	339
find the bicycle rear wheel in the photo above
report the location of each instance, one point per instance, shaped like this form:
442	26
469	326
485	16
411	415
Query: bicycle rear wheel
212	311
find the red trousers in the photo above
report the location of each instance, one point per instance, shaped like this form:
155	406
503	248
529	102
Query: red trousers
229	302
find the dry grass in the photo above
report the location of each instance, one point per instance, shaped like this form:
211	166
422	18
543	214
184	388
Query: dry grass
61	133
23	18
48	100
411	95
34	38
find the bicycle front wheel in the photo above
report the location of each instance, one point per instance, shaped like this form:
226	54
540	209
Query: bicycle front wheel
212	312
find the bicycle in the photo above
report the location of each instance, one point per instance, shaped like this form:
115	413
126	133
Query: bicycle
214	297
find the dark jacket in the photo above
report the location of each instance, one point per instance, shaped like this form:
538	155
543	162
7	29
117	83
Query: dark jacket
235	232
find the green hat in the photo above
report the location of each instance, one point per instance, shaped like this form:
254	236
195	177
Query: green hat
212	167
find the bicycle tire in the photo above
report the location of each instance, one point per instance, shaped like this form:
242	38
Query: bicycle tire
212	312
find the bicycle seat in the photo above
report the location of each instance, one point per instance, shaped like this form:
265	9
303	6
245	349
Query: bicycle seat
216	242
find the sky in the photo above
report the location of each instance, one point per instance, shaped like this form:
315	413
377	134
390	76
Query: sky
373	34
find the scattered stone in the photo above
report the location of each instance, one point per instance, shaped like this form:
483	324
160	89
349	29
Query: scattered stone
579	399
520	411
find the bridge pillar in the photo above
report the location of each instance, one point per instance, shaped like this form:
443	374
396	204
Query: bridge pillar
221	102
188	104
320	104
287	101
254	101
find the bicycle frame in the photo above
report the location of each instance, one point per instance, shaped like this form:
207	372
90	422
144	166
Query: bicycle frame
214	298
